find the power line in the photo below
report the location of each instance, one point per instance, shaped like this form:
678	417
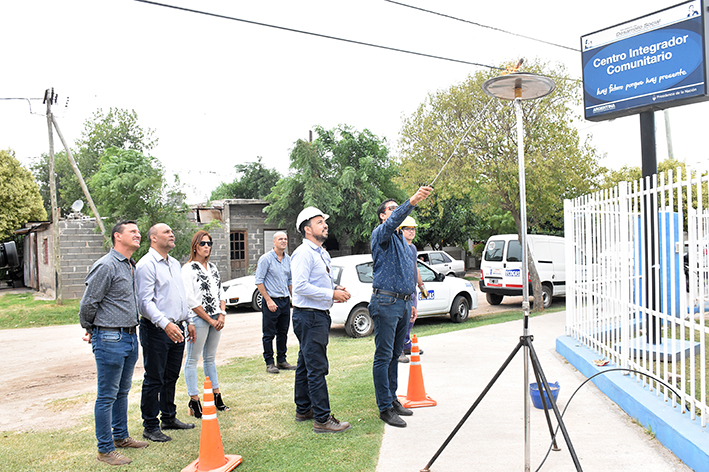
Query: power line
481	25
319	35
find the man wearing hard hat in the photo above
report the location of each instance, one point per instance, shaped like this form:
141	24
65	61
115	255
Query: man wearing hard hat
314	292
390	305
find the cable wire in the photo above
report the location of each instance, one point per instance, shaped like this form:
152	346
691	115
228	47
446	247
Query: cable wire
615	369
481	25
319	35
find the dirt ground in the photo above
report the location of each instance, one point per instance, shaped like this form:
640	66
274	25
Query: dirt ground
48	379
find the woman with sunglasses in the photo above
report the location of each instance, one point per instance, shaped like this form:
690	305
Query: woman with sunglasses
205	297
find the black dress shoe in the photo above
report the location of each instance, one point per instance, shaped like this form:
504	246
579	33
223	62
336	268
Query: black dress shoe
400	410
390	417
174	423
156	436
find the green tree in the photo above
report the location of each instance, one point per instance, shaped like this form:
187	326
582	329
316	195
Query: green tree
256	181
20	200
558	165
345	173
446	222
132	185
118	128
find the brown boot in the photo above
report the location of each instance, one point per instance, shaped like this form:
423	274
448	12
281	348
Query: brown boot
331	425
113	458
130	442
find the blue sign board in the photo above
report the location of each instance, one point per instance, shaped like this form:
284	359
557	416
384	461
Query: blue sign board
654	62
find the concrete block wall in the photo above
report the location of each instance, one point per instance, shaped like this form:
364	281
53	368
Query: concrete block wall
80	246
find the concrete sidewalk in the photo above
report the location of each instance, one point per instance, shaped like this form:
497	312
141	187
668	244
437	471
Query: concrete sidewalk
457	367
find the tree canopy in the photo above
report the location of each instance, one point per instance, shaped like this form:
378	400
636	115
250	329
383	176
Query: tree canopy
345	173
130	185
484	167
256	181
20	200
118	128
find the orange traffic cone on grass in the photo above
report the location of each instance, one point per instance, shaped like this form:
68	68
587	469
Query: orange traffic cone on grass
211	452
416	394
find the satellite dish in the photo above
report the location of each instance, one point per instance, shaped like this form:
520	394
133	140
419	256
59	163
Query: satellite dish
77	206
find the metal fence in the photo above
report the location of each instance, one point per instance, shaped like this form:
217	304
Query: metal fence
637	275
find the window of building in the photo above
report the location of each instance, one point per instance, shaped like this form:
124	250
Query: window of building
238	249
45	251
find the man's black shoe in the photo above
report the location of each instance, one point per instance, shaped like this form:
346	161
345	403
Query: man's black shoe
174	423
156	436
390	417
400	410
408	352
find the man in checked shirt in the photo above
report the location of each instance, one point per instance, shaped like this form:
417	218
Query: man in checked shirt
109	313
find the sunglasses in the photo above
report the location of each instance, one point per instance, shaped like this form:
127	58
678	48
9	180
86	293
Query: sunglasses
206	243
392	207
409	228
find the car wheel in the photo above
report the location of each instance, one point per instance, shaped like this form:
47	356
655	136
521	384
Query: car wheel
460	309
546	296
451	274
256	300
359	324
494	298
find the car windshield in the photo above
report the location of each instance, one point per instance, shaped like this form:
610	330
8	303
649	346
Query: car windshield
493	250
436	258
365	272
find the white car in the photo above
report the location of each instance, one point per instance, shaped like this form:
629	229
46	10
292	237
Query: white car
445	294
243	291
443	262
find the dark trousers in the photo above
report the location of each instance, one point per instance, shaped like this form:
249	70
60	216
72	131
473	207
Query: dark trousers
162	359
275	324
312	327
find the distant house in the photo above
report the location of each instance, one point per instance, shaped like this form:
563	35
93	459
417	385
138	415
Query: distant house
241	237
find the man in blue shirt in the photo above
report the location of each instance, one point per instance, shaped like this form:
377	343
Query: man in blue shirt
165	318
390	305
313	294
273	280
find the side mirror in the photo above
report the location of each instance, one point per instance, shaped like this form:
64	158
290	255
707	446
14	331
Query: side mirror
440	277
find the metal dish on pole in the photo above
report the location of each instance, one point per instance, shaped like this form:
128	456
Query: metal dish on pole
520	86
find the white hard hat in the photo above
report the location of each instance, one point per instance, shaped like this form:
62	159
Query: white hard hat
307	214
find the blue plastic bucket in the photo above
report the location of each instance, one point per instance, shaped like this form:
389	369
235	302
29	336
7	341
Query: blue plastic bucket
537	399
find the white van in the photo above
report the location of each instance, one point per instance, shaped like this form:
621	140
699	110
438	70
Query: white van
501	266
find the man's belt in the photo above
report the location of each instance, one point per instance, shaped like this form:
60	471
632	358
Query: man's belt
387	293
130	330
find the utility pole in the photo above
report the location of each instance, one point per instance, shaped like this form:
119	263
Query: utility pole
49	99
99	221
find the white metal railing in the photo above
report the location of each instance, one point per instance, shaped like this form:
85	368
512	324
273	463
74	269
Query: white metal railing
637	263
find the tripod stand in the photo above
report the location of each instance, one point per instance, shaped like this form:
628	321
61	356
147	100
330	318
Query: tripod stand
518	87
525	341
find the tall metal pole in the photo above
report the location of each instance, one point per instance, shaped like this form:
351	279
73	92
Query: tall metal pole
49	98
649	160
525	274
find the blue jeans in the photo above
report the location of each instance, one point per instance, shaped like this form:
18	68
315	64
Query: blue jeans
312	327
162	359
205	342
391	318
275	324
116	354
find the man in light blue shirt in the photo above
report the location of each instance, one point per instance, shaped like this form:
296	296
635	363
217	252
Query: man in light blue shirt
273	280
165	318
313	294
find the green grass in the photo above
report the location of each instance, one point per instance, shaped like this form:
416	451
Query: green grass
21	310
260	425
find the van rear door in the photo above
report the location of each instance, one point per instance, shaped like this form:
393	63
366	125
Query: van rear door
512	275
493	262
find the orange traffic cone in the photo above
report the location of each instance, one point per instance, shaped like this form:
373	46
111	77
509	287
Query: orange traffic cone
416	394
211	452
